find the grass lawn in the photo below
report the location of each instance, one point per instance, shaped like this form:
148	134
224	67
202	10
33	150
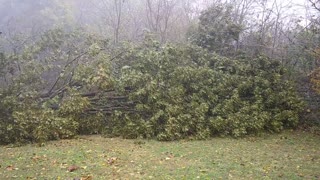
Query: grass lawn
290	155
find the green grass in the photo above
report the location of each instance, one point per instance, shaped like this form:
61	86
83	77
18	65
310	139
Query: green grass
290	155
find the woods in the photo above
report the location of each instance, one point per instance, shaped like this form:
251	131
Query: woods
156	69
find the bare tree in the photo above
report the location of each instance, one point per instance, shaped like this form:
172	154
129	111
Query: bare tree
114	12
315	4
117	23
159	13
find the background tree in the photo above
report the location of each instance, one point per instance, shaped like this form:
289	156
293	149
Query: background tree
314	48
217	30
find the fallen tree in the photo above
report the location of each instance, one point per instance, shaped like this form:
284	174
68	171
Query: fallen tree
149	90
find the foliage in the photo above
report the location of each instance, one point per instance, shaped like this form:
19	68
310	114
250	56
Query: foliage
217	29
313	116
42	99
315	52
172	91
185	91
303	54
30	122
315	80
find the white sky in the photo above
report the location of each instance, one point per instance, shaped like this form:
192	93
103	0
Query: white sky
300	9
289	9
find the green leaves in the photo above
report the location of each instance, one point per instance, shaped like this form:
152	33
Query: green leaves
168	92
218	29
42	99
218	96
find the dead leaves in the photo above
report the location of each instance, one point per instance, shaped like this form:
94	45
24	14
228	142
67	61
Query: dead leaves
36	158
169	155
72	168
11	168
112	160
86	178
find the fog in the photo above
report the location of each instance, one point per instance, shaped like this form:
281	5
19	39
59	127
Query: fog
130	19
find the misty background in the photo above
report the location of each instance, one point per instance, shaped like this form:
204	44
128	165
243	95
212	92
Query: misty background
167	20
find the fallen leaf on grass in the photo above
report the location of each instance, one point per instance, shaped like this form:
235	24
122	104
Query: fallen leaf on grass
63	165
204	170
10	168
72	168
54	162
86	178
112	160
36	158
30	178
83	178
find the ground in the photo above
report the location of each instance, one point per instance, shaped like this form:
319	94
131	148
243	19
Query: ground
289	155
